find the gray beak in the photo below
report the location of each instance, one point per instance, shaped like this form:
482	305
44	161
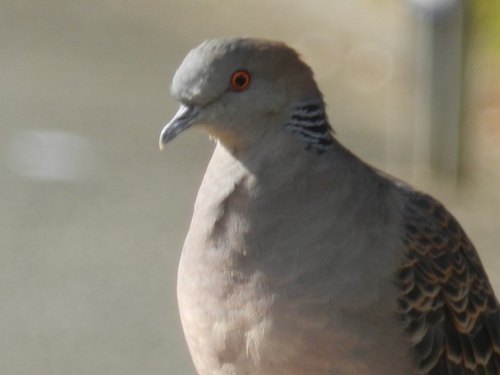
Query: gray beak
182	120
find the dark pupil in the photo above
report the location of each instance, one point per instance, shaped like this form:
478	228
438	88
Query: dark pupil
240	80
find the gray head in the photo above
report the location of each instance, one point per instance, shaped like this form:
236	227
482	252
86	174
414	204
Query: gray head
240	89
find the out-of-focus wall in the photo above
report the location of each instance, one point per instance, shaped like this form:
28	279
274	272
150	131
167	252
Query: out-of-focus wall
93	216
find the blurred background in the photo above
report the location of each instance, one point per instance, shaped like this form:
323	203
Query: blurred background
93	216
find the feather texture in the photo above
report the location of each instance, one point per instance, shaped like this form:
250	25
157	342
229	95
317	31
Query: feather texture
451	314
309	121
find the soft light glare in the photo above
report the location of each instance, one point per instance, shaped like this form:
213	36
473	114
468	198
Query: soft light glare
434	6
51	155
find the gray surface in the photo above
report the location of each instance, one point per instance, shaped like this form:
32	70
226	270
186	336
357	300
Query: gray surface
93	216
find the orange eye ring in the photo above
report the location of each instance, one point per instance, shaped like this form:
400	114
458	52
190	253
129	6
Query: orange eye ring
240	80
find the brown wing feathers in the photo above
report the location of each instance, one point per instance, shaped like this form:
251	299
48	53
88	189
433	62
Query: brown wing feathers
448	305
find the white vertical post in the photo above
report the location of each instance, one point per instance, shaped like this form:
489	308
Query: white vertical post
439	84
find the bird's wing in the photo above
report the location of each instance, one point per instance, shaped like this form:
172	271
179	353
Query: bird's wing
451	314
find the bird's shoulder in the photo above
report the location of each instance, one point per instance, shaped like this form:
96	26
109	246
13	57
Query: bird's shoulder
446	301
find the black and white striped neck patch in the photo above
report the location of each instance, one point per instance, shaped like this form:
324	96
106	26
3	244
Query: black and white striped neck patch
309	121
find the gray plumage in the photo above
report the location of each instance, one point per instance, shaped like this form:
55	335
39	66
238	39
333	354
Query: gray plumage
300	258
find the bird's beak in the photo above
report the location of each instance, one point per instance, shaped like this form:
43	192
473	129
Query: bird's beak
182	120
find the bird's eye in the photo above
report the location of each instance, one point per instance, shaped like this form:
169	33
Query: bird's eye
240	80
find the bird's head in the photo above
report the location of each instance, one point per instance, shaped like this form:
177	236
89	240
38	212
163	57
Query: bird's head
240	89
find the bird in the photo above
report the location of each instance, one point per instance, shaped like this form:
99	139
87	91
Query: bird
300	257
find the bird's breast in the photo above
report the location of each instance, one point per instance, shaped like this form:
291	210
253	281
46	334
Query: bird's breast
268	285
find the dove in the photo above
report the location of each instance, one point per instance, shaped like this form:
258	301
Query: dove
300	257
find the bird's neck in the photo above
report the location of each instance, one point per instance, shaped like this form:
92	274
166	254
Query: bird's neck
270	163
270	179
